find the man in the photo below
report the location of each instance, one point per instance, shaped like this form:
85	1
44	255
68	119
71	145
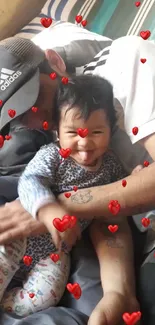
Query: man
138	196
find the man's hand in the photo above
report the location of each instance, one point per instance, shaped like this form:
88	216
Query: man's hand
16	222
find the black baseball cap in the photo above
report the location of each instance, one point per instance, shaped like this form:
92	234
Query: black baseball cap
19	76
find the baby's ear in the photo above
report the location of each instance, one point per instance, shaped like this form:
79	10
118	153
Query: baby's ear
56	62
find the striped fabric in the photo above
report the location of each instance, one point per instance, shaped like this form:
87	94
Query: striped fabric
99	60
109	18
65	10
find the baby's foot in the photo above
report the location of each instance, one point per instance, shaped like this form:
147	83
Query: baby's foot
111	307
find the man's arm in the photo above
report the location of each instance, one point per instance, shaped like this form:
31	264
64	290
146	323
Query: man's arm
137	197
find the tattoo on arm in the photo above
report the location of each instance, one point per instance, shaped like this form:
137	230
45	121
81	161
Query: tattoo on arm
112	240
81	198
114	243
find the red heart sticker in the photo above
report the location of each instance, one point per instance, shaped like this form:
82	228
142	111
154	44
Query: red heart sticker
113	228
46	22
75	188
61	225
145	34
34	109
72	220
131	319
64	80
82	132
45	125
65	153
11	113
145	222
137	3
55	257
75	290
84	23
27	260
135	130
1	141
114	207
8	137
124	182
143	60
67	195
78	19
53	75
31	295
146	163
1	102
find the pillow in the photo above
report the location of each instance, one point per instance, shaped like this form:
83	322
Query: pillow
65	10
76	45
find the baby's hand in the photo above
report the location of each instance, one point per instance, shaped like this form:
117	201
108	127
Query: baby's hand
69	237
63	240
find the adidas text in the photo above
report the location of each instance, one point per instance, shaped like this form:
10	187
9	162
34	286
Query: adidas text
11	79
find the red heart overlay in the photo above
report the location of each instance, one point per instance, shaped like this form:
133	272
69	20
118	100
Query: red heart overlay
55	257
84	23
61	225
1	141
65	153
75	290
72	220
11	113
64	80
124	182
114	207
8	137
27	260
67	195
46	22
137	3
145	222
45	125
53	75
113	228
131	319
78	19
135	130
146	163
145	34
34	109
143	60
31	295
82	132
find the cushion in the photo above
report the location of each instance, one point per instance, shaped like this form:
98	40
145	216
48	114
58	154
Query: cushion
65	10
77	46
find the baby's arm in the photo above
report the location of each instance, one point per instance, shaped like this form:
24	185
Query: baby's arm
35	193
115	254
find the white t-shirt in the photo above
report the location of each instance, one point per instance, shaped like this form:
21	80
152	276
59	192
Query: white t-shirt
134	92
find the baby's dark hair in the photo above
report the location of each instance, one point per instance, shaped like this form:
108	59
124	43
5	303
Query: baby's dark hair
87	92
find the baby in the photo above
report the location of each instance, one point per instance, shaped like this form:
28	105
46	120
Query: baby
84	118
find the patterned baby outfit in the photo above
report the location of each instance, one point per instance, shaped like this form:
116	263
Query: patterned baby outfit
46	176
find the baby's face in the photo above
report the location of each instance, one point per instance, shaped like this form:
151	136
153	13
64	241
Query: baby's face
87	150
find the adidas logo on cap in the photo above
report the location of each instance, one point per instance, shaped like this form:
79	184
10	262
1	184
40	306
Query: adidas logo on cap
7	77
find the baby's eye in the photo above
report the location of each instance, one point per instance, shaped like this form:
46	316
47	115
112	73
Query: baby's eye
97	132
73	132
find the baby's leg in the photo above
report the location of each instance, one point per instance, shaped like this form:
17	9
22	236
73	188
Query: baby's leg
43	288
10	257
